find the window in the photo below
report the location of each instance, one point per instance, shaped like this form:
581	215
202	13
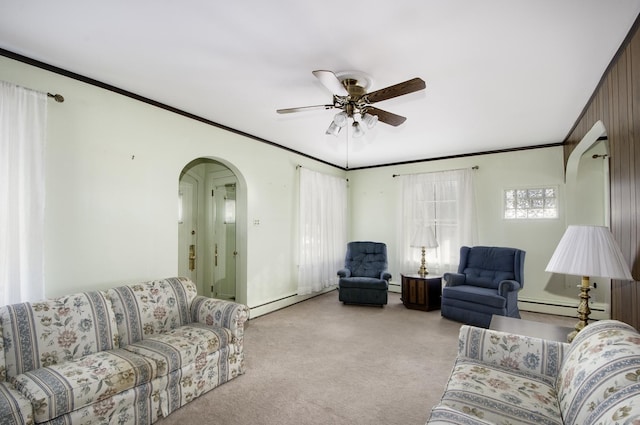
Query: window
444	201
229	211
531	203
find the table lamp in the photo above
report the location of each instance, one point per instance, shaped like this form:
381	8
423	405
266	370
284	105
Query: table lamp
588	251
424	238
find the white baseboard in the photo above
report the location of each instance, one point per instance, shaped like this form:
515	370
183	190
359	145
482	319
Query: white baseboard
599	311
285	302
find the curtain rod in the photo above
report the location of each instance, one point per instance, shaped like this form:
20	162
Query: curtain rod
300	166
58	97
475	167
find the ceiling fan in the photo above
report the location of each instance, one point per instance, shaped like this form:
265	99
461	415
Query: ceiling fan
349	91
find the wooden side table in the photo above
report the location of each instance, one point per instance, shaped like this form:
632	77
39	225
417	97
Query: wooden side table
421	293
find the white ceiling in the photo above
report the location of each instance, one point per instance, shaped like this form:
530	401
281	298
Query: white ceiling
500	74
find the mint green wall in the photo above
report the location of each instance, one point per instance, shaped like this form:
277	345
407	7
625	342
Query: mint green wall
112	169
375	199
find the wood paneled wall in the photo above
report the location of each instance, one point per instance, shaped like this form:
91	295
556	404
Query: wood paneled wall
616	102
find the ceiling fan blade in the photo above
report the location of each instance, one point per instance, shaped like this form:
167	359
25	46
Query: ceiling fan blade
303	108
386	117
399	89
331	82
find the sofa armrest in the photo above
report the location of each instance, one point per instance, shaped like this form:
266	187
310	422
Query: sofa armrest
535	355
215	312
507	286
454	279
344	273
385	275
14	407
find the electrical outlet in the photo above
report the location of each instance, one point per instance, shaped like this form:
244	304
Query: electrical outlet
256	222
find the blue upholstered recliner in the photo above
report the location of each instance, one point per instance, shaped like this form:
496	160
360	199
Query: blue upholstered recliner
364	278
487	283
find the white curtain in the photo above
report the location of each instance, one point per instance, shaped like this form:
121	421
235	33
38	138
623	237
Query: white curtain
23	117
323	230
445	201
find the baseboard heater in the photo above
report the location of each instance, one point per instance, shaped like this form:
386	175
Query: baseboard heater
286	301
395	287
599	311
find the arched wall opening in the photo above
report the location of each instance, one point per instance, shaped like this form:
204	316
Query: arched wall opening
588	202
212	228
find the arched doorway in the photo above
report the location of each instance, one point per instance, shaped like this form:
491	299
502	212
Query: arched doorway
211	210
588	202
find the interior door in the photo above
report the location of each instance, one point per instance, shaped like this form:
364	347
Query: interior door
224	240
187	227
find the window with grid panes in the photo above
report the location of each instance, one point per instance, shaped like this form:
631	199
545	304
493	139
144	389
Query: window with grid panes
531	203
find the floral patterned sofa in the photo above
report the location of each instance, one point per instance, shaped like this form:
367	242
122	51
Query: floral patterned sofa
128	355
501	378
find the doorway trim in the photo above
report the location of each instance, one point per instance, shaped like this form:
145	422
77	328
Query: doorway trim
241	223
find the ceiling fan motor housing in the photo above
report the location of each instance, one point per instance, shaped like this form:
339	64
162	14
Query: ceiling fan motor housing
354	102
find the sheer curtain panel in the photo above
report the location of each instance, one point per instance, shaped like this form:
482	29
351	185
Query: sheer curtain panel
23	117
445	201
323	230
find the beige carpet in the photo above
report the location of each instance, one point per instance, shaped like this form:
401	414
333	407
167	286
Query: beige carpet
321	362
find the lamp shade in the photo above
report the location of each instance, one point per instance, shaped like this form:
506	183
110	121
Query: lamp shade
589	251
424	237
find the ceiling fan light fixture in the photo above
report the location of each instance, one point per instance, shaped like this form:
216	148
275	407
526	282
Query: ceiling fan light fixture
340	119
357	130
370	120
333	129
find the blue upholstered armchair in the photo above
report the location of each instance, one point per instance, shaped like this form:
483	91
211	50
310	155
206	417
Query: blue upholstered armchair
487	283
364	278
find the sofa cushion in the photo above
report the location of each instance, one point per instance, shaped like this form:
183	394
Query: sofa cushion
488	266
183	346
195	379
141	405
518	352
16	409
61	388
474	294
602	360
366	259
364	283
56	330
486	278
499	394
151	308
